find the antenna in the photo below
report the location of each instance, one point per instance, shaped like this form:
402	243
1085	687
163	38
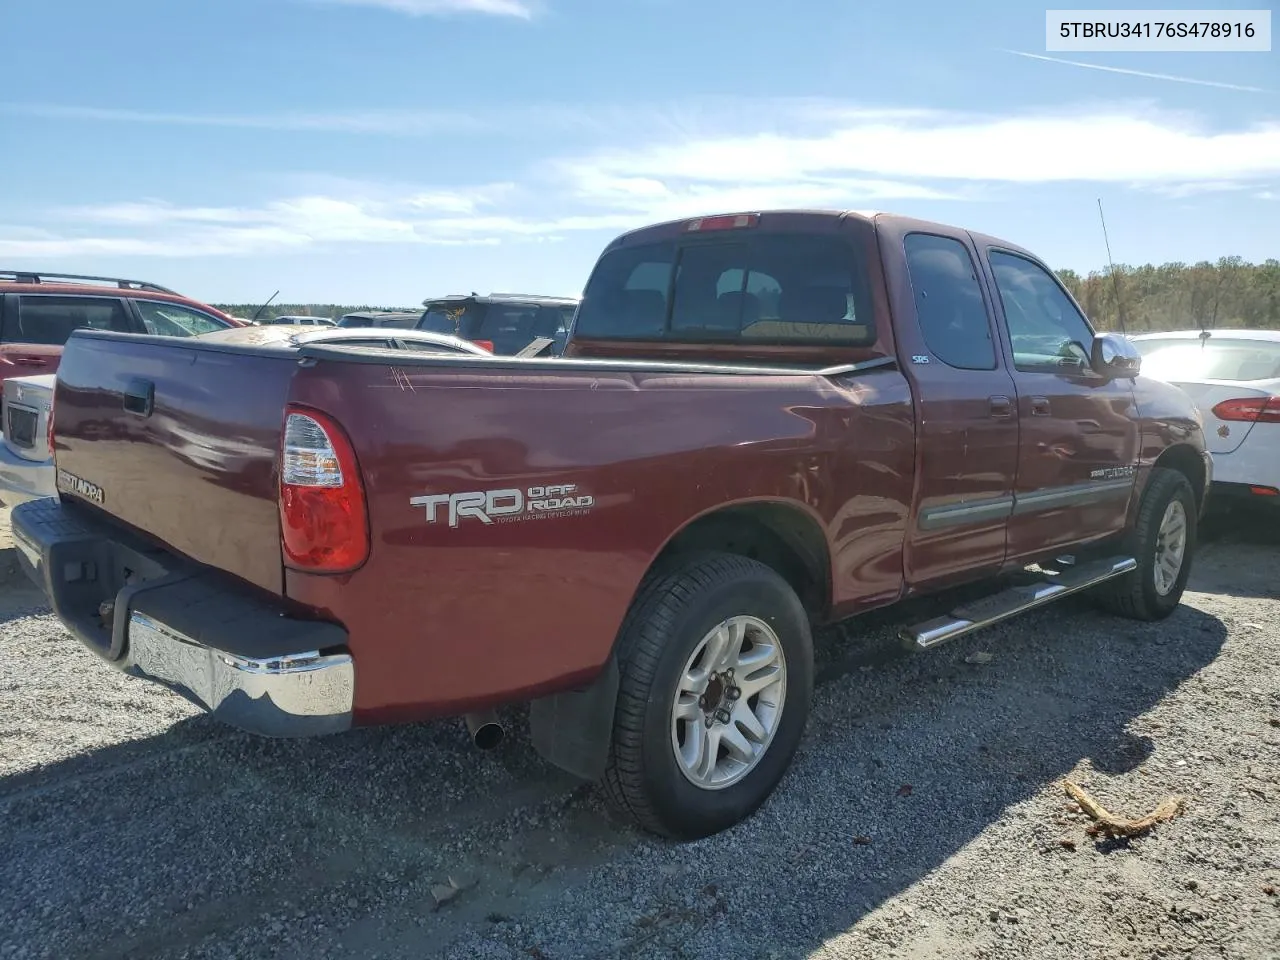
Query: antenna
1115	280
264	306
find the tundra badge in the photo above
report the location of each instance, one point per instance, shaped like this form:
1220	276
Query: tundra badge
80	487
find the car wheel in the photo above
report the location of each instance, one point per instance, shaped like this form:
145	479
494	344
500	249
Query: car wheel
1163	541
716	676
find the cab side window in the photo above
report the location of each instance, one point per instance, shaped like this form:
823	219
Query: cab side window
1048	333
949	305
171	320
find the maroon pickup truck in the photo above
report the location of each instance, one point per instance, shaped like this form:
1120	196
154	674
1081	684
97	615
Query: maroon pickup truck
761	423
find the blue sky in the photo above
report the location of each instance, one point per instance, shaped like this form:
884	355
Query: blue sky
381	151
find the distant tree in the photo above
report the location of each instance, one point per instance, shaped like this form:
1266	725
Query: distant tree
1227	293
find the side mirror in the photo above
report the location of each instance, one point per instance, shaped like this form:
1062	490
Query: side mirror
1115	356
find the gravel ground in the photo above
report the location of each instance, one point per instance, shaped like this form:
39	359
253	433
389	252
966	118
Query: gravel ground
923	817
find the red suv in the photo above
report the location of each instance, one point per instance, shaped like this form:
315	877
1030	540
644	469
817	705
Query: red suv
38	311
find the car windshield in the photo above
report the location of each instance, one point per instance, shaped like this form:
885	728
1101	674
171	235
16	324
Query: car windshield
1235	359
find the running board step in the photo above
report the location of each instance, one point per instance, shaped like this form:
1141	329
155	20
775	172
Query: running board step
1015	600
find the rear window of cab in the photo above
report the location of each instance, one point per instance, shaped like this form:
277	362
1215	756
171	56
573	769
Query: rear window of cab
793	288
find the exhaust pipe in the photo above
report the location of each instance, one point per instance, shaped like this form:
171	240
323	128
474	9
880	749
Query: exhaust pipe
485	729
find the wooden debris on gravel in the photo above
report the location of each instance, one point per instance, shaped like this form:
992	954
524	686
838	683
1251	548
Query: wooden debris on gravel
1111	825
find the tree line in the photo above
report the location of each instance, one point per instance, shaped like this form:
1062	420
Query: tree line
331	310
1180	296
1171	296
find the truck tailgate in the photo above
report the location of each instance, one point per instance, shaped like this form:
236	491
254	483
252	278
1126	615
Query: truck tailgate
195	467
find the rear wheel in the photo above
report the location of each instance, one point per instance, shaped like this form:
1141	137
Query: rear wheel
716	665
1163	541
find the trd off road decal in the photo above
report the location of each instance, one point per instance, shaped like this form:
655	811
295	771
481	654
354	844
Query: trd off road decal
506	506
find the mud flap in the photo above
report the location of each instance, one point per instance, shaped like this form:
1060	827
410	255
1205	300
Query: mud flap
573	729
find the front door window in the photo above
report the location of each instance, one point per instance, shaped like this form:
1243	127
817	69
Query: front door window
1047	331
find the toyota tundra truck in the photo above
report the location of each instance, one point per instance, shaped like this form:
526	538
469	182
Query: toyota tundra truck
761	423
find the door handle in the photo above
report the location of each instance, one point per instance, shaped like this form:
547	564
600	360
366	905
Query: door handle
140	396
1040	406
1001	407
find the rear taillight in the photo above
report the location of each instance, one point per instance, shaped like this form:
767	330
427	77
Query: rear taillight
48	428
1255	409
487	344
324	526
733	221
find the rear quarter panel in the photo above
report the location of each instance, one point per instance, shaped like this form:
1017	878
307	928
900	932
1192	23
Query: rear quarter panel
444	619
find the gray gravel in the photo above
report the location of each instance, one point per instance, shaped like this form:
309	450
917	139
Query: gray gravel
923	816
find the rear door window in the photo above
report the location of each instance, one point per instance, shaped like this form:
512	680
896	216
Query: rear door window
774	287
949	304
50	320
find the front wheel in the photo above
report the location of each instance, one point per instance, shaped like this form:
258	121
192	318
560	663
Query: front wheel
716	665
1163	541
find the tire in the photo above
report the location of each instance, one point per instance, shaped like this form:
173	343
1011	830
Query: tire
675	616
1141	594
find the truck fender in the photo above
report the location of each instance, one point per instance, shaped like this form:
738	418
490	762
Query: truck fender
573	729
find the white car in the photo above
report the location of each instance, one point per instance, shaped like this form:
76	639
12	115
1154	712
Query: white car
1234	378
26	464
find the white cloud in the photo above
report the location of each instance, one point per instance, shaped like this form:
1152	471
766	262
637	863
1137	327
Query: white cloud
1180	191
818	155
69	247
154	212
419	8
408	123
1105	145
690	117
162	229
664	197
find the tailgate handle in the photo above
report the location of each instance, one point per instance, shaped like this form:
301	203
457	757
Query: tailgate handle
140	397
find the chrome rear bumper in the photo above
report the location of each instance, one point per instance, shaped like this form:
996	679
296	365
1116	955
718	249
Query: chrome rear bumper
295	695
244	657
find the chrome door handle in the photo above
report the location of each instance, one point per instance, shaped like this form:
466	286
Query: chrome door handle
1040	406
1001	407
